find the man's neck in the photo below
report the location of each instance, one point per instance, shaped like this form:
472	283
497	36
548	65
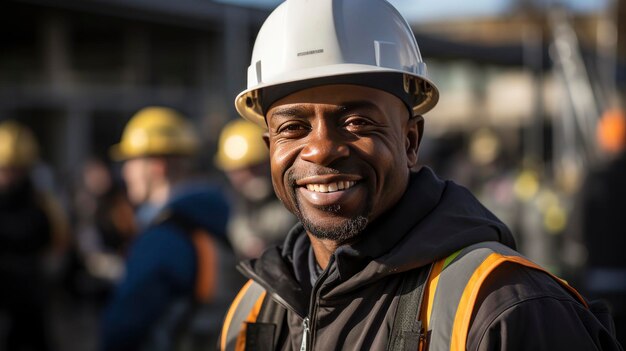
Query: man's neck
323	249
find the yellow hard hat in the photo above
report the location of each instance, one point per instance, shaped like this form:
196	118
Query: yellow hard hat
241	145
156	131
18	147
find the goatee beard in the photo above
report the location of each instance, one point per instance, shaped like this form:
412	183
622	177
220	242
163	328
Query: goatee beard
345	232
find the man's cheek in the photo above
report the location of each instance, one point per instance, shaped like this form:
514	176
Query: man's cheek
279	189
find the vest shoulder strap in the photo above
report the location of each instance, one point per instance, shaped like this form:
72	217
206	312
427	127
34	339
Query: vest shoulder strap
407	332
244	309
454	286
254	322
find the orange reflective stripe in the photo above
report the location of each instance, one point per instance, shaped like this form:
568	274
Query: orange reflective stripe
252	316
464	311
429	293
231	312
466	305
206	267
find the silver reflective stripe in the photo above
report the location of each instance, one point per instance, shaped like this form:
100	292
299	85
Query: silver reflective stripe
452	283
252	294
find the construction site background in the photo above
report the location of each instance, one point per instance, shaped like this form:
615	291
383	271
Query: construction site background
531	119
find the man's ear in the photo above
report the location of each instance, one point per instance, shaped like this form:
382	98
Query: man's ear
415	129
266	139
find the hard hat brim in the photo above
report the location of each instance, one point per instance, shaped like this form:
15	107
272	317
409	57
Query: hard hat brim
116	154
248	104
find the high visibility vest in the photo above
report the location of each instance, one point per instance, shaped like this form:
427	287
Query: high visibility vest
245	309
448	300
453	287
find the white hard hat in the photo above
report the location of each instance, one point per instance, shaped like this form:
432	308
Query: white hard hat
306	43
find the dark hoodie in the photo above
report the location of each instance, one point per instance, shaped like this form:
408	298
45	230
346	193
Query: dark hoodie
353	302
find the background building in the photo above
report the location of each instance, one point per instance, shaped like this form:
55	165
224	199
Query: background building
77	70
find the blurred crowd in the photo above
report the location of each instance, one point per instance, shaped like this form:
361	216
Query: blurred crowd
140	253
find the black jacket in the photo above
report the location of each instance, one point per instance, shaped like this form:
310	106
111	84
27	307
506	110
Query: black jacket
353	302
25	232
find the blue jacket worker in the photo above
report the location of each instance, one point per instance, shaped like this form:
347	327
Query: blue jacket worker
180	273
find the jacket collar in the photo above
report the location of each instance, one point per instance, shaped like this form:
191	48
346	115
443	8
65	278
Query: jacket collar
381	236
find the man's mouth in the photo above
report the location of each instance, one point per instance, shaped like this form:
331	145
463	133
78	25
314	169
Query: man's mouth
331	187
322	190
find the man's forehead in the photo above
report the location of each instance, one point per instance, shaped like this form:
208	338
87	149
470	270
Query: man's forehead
305	108
331	94
337	98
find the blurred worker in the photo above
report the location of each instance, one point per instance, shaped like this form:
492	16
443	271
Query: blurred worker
180	269
30	225
105	226
259	218
383	258
604	220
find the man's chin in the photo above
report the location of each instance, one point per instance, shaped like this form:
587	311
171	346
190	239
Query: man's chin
343	231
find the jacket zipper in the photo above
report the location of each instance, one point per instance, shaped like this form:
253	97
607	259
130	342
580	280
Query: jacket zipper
305	334
308	323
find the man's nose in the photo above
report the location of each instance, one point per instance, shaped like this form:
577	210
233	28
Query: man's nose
324	146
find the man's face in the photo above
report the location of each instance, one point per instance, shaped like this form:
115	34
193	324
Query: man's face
340	156
252	182
139	178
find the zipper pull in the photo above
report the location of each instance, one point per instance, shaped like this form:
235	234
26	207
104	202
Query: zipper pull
305	334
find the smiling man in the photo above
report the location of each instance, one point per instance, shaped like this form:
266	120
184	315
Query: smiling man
384	258
341	157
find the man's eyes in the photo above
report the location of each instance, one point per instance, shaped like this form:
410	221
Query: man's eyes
351	124
292	128
295	127
357	123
